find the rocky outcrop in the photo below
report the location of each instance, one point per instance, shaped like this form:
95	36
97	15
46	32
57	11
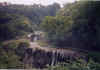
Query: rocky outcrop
41	58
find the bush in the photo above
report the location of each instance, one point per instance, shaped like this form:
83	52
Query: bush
8	57
21	49
77	65
9	60
95	56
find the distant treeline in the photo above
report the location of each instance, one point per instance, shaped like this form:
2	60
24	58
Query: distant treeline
34	12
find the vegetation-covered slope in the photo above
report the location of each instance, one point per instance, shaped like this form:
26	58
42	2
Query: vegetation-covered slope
35	13
16	22
76	25
12	25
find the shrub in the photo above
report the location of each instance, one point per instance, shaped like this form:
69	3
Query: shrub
77	65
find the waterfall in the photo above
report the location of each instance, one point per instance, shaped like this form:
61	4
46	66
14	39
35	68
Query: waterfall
53	58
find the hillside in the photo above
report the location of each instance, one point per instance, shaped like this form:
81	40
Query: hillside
50	37
33	12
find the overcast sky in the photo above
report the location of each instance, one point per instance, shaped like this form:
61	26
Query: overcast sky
43	2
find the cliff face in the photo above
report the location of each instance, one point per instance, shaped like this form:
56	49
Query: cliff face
34	56
41	58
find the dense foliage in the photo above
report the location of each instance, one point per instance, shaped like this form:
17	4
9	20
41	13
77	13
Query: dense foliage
16	20
78	27
12	26
9	57
77	65
75	26
58	30
35	13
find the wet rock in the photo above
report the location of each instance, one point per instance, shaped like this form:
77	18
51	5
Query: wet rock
40	58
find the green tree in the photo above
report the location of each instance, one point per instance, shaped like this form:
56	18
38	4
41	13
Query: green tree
57	30
82	23
13	25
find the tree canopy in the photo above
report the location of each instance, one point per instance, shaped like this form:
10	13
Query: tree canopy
78	27
12	25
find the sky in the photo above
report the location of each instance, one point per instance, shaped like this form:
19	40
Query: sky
43	2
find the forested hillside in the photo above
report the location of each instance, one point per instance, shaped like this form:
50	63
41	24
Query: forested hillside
15	20
76	25
50	37
34	12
